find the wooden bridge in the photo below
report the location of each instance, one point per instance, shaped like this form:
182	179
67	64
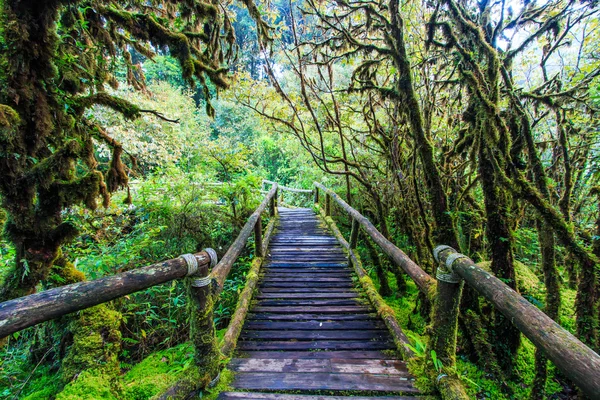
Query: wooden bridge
310	328
309	320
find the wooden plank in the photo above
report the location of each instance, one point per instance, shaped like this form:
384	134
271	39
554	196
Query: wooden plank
306	290
316	345
303	284
326	295
310	309
311	317
343	354
322	381
381	366
306	271
309	325
303	335
308	303
281	396
293	274
307	365
316	279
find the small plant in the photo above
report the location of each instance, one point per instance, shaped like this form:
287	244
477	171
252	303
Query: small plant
437	363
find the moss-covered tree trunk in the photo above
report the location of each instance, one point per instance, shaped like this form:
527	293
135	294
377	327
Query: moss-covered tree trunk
384	286
505	337
444	232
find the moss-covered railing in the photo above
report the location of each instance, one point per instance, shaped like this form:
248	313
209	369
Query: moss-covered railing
573	358
287	189
203	287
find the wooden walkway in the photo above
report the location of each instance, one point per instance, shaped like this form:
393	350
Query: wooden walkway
310	331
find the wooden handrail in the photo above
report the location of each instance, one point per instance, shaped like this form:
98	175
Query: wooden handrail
288	189
221	271
423	280
573	358
23	312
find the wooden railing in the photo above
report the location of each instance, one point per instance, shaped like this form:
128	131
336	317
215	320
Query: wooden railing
573	358
204	287
287	189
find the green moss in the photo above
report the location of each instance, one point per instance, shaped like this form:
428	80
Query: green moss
224	385
527	281
42	386
96	343
157	372
89	385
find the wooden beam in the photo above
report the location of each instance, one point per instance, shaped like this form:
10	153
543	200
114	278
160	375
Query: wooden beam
423	280
573	358
220	272
21	313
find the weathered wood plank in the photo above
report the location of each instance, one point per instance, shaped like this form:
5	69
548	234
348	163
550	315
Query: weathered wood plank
306	290
311	325
310	309
316	345
313	284
307	365
316	335
344	354
280	396
326	295
313	316
323	381
308	303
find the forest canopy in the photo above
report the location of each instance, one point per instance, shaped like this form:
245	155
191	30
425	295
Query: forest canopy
455	122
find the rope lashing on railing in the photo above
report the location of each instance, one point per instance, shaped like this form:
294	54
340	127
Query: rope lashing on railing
445	272
214	259
192	263
215	381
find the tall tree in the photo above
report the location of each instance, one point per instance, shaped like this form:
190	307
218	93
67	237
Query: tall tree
60	58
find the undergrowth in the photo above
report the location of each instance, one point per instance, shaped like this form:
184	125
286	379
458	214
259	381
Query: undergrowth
480	385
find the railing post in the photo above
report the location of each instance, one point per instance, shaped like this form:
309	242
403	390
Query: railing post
258	243
445	326
202	328
327	205
273	204
353	237
316	199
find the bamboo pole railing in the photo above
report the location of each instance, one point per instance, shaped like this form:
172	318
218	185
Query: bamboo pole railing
573	358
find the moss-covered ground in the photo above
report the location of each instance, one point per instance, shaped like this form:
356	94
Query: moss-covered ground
146	379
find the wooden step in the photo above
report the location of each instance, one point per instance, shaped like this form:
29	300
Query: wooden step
281	396
328	365
311	325
320	334
315	345
323	381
